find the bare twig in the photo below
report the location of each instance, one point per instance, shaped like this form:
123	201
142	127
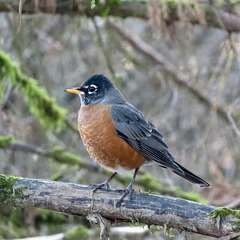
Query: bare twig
233	236
234	204
231	120
59	154
139	207
105	53
6	97
20	15
178	77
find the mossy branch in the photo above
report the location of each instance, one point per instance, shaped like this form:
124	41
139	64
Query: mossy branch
7	191
5	141
40	104
138	207
225	213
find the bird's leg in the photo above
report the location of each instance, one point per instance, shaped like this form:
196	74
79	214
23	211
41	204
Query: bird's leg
129	189
105	184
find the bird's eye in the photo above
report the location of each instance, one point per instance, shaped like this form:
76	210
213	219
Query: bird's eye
92	88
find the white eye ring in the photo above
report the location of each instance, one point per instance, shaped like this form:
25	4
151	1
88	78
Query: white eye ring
92	88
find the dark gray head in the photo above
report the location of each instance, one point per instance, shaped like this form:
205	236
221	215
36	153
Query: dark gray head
98	89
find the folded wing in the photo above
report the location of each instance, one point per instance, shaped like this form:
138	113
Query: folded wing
139	133
143	136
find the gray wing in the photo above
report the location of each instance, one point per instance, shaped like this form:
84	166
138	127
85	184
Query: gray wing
142	135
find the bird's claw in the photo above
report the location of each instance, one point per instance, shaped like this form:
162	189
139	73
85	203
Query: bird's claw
126	192
104	185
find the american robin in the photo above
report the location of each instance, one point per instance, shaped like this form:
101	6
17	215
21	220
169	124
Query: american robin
118	137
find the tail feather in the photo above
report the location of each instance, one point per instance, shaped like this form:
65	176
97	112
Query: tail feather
190	176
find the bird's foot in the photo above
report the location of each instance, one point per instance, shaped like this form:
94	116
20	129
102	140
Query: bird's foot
104	185
127	191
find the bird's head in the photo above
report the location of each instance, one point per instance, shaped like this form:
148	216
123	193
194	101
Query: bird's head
98	89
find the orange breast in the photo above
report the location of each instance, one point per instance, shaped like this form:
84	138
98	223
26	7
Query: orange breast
102	142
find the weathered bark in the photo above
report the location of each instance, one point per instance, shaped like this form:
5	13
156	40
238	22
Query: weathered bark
210	16
140	207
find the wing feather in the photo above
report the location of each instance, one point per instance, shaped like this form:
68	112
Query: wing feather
142	135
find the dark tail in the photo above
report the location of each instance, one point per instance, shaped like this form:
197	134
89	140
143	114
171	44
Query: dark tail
190	176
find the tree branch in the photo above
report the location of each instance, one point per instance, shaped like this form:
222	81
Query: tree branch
40	103
141	207
179	78
209	15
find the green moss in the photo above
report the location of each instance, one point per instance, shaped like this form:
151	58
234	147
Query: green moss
168	232
57	176
190	196
93	4
224	213
76	233
7	191
149	183
105	7
145	180
13	223
6	140
46	216
61	156
40	104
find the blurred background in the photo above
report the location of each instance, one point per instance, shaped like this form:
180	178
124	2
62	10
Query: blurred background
170	61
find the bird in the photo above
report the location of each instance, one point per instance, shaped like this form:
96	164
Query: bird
118	136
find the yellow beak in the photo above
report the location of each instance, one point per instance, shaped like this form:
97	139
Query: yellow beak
74	90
